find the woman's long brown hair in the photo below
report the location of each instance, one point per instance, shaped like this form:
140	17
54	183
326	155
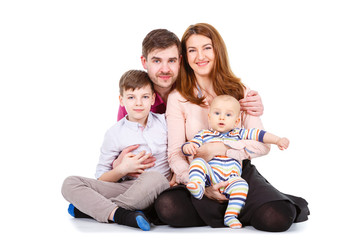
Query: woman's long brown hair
224	80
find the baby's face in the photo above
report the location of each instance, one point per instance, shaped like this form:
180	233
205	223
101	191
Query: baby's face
223	115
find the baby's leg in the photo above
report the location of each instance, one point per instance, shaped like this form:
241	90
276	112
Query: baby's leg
198	172
237	191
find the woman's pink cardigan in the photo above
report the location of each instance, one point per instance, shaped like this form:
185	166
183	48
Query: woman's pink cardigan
185	119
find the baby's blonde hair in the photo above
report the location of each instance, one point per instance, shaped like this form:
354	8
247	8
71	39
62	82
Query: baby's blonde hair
227	98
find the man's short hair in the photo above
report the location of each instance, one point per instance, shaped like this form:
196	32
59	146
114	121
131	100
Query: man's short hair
159	39
134	79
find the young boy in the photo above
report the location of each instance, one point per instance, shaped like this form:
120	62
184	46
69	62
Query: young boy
223	118
140	126
110	198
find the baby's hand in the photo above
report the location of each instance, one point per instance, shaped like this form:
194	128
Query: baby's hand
283	143
190	148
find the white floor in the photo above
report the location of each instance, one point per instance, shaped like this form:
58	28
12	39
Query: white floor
87	226
58	224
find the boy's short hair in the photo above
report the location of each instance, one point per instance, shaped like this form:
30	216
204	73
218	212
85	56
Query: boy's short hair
159	39
134	79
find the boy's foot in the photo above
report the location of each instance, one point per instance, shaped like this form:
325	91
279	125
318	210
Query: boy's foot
76	213
129	218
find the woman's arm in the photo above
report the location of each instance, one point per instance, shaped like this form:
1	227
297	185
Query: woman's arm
175	118
248	149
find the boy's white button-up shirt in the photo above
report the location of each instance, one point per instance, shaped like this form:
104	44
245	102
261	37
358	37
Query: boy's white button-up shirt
152	139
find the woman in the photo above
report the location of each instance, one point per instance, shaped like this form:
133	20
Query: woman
205	73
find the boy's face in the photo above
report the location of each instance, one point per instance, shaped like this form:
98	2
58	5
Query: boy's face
223	116
162	66
138	103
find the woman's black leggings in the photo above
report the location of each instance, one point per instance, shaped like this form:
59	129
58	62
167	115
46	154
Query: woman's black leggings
178	208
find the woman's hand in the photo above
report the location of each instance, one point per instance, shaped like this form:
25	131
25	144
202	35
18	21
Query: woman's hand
213	192
173	180
252	104
209	150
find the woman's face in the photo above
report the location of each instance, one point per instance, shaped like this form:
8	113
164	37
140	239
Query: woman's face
200	54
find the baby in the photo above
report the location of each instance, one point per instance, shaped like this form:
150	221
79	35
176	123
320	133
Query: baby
223	119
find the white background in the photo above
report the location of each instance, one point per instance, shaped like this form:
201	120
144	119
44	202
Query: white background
60	62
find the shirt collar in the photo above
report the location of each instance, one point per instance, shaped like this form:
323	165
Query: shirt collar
222	134
158	100
136	126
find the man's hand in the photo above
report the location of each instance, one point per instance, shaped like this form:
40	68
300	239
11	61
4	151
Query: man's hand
213	192
252	104
209	150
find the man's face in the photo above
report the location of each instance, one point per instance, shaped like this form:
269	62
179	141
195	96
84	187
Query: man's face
162	66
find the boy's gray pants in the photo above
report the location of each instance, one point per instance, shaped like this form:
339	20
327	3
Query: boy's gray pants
98	198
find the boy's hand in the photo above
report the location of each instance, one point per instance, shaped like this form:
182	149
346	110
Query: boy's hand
127	150
134	164
283	143
252	104
149	161
190	148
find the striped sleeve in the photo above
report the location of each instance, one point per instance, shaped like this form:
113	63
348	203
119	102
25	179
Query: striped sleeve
251	134
199	138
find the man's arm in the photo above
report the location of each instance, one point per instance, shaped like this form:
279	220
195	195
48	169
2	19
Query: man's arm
252	104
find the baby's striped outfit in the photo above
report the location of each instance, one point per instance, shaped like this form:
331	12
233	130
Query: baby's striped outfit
220	169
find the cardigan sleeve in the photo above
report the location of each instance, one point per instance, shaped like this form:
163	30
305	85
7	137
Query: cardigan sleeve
248	149
175	117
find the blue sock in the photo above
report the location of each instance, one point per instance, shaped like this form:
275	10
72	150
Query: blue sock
132	219
142	222
71	210
76	213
